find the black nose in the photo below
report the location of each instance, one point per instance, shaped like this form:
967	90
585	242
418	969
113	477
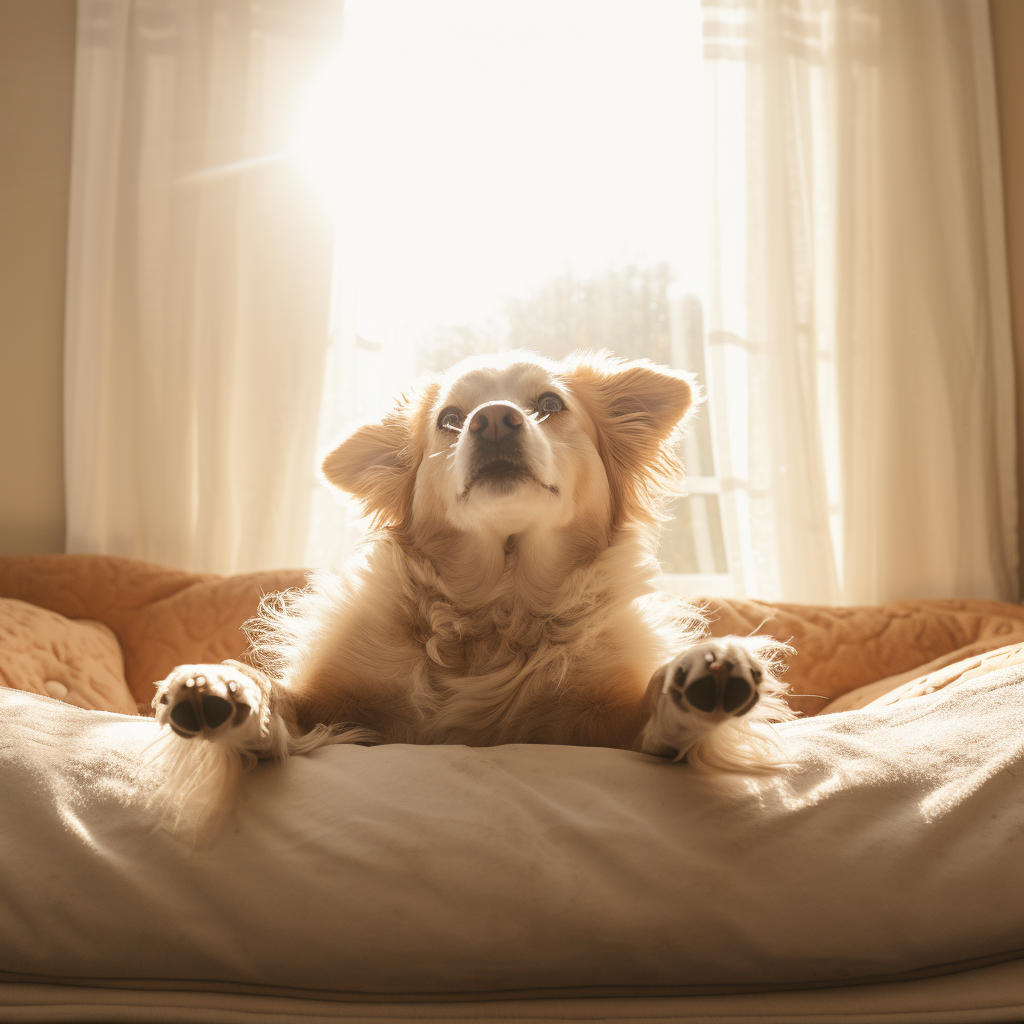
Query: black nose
495	421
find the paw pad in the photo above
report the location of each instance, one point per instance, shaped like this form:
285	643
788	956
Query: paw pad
721	687
197	710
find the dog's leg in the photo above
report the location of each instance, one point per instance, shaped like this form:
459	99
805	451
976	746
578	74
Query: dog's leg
220	720
228	704
713	705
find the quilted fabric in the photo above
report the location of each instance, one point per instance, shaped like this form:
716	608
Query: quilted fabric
839	649
164	617
77	662
161	617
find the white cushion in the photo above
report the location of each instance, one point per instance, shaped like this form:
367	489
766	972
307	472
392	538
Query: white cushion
896	846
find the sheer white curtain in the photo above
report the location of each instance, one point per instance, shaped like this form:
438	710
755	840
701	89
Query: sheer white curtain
199	272
858	316
859	360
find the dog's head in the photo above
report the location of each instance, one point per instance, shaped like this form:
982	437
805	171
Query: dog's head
503	444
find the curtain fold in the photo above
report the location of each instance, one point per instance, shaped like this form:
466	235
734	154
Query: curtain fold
199	267
859	354
858	314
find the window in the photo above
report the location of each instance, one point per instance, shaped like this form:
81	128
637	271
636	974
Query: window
517	174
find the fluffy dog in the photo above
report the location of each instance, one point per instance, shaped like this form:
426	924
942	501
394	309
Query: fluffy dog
507	594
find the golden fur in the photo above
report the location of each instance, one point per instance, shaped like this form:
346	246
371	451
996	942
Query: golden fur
502	601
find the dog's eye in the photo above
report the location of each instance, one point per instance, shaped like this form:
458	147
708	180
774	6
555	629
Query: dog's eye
451	418
549	403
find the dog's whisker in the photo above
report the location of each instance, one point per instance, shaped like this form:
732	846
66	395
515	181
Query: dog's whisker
485	608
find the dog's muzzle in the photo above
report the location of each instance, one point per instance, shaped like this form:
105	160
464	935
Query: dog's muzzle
497	424
496	445
496	439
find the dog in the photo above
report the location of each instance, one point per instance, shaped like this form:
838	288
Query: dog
507	593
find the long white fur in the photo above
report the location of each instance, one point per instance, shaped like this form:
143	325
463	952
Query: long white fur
746	743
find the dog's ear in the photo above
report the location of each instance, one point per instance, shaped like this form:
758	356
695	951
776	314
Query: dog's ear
639	410
377	462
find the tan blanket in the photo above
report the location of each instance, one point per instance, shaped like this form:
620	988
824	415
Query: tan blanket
164	617
893	845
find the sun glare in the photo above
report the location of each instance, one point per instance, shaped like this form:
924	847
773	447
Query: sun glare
474	155
472	150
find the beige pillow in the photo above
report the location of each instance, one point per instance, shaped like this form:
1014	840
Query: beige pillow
894	845
75	660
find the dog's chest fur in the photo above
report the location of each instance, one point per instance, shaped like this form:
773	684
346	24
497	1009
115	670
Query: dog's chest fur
403	655
496	671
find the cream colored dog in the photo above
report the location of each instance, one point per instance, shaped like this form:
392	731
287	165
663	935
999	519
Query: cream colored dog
507	595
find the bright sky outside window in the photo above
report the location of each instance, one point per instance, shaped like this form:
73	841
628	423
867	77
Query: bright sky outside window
478	149
510	173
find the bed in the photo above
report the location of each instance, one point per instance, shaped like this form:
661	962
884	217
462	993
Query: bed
880	879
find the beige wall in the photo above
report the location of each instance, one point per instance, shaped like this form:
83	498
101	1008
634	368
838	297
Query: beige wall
37	55
1008	41
36	81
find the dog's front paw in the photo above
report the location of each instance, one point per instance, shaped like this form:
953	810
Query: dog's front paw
717	679
212	701
703	703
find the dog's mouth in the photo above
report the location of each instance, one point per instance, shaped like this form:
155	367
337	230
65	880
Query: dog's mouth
503	476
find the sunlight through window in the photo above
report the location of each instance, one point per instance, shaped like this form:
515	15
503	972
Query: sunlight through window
514	174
